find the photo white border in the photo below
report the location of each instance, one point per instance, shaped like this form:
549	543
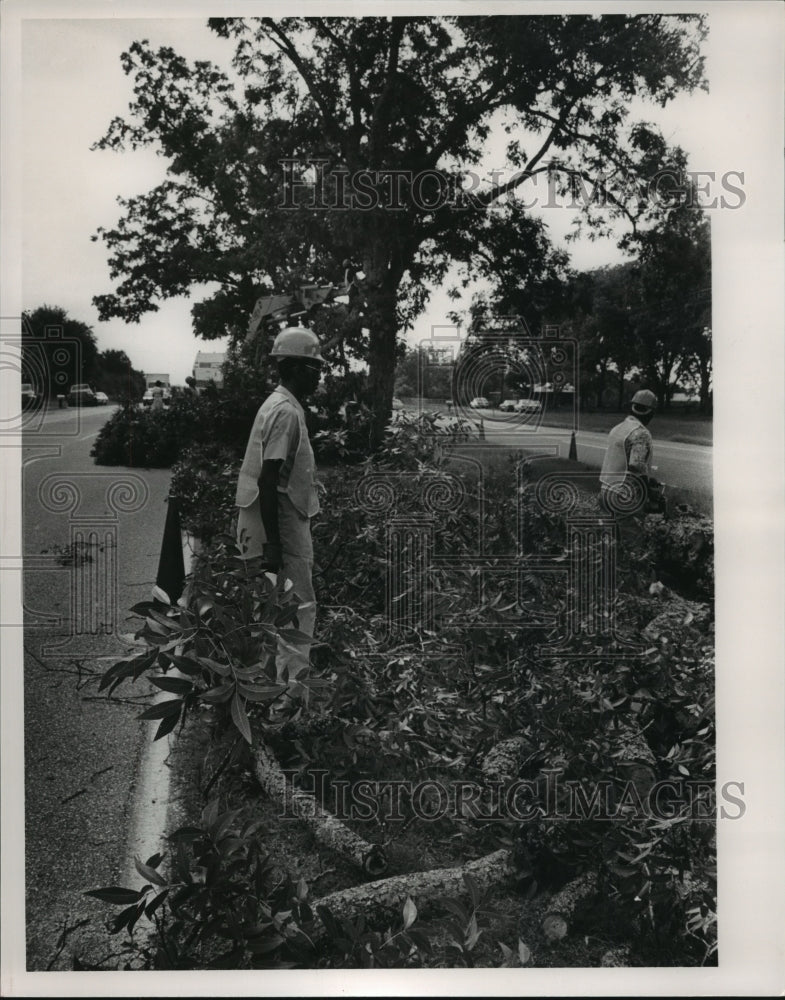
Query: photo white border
747	89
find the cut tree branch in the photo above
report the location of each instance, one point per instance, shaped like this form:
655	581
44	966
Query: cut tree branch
427	887
325	827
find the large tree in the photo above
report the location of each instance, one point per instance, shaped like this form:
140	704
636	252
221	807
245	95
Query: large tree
117	377
674	318
365	139
57	350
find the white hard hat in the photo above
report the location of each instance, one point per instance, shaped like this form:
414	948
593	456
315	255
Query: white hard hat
297	342
643	401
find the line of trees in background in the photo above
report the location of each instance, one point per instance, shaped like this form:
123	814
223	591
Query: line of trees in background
645	321
59	351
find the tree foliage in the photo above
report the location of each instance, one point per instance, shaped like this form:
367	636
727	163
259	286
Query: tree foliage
57	351
267	167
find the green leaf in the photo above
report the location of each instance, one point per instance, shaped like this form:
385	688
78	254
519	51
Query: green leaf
472	933
185	664
222	669
508	955
523	952
116	894
147	872
163	709
409	913
156	627
155	903
331	924
143	608
166	726
175	685
259	692
127	918
185	833
217	695
240	718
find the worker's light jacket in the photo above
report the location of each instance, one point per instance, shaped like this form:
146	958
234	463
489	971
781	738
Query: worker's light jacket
629	447
279	432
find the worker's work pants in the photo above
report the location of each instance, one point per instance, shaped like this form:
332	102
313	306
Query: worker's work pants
629	527
297	567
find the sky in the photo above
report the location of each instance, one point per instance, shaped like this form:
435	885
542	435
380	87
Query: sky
73	85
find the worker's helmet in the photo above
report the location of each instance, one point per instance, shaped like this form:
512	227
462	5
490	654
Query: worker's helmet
644	401
297	342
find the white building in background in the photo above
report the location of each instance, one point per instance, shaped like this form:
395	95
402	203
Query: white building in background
208	366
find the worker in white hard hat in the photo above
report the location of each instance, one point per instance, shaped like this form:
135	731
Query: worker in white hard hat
629	452
276	488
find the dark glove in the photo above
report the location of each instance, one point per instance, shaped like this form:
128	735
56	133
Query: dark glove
272	557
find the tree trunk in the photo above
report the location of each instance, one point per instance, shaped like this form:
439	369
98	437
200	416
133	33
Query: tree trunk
374	898
325	827
600	385
381	284
556	922
620	402
705	382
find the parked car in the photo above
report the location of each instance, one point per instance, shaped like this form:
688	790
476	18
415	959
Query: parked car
29	397
528	406
479	402
101	399
508	405
81	395
397	404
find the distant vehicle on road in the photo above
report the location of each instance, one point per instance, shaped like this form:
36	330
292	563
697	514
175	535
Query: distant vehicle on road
528	406
101	399
147	399
29	397
479	402
397	404
81	395
508	405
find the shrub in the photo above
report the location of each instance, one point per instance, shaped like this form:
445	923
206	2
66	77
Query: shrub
203	481
137	438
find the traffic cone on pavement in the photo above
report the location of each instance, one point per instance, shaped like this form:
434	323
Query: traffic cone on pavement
573	456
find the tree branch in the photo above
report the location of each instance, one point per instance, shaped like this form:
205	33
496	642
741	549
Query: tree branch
286	46
379	116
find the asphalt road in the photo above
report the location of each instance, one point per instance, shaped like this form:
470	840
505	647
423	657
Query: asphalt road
686	469
81	751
